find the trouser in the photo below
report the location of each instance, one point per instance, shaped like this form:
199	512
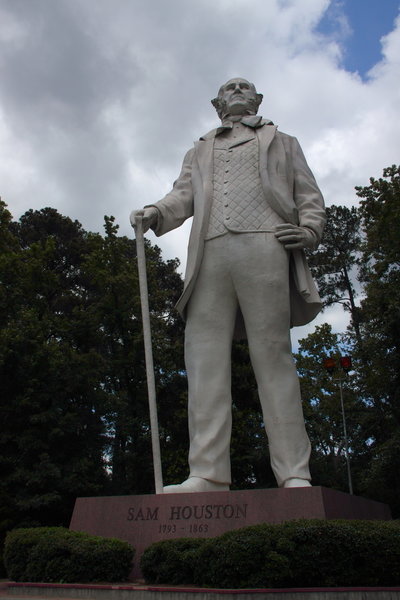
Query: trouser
249	271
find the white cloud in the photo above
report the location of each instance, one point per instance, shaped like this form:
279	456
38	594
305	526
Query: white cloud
100	100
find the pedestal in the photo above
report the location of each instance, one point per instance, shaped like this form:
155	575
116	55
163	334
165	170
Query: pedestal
142	520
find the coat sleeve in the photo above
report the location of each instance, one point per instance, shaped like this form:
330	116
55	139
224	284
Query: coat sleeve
306	194
177	205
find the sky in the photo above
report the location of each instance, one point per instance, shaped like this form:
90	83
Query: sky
100	99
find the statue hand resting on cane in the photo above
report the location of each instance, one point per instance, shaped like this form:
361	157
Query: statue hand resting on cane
149	217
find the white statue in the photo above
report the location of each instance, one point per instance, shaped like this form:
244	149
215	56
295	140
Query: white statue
255	205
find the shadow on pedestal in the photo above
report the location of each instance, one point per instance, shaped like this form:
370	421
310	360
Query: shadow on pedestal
142	520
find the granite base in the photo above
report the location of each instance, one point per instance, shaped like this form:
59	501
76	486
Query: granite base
142	520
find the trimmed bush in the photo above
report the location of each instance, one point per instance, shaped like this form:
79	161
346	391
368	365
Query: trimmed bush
304	553
242	558
171	561
246	557
344	553
55	554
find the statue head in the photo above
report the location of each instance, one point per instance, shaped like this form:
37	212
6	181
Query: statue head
237	97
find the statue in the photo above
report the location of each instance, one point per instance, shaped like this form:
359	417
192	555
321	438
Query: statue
255	206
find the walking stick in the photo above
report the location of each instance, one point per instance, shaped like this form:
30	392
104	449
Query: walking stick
151	386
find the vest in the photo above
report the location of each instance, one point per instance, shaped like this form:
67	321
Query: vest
239	204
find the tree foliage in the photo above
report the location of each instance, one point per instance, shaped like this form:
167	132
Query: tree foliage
73	391
73	397
321	394
380	375
361	252
335	261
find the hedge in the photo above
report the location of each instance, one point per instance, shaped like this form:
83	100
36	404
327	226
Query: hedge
55	554
303	553
171	561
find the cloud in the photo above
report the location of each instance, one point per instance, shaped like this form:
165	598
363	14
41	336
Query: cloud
100	101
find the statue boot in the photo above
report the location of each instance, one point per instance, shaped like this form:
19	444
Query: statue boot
196	484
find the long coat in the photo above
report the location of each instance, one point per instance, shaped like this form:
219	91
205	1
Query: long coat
290	188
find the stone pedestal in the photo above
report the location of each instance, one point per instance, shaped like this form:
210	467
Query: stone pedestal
142	520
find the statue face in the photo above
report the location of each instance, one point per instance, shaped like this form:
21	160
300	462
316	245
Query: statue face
237	97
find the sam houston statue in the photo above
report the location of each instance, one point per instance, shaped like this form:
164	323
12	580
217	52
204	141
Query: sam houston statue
255	206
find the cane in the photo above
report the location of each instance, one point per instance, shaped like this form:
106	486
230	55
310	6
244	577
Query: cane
148	351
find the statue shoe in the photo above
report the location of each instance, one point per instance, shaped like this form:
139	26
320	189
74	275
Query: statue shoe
196	484
295	482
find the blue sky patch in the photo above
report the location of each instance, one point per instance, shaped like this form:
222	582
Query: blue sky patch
358	26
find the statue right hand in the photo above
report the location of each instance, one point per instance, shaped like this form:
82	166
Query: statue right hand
149	217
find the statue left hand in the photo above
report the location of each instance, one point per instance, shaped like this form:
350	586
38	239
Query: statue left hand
294	237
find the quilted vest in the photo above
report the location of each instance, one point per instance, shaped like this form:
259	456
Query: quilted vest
239	203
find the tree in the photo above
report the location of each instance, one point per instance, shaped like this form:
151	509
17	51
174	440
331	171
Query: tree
113	301
380	214
51	442
363	246
72	377
380	274
322	409
333	264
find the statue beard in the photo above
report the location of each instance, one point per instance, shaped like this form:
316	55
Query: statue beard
223	110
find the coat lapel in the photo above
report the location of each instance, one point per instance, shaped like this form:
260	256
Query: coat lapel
204	156
265	135
275	186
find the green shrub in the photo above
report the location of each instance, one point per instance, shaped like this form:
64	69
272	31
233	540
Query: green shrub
343	553
171	561
304	553
242	558
55	554
17	547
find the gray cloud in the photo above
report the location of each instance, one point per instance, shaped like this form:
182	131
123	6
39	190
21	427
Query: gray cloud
100	100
